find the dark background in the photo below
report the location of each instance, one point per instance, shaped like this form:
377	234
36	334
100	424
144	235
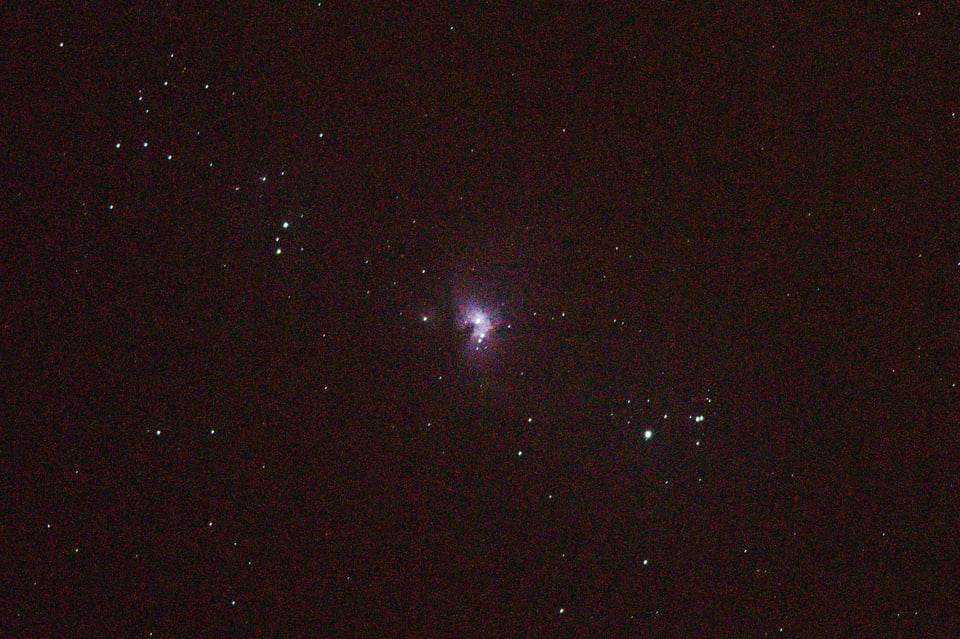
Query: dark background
734	228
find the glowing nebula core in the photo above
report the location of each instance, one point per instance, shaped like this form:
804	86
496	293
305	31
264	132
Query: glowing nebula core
481	323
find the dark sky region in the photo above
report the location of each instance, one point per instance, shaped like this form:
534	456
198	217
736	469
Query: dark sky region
481	319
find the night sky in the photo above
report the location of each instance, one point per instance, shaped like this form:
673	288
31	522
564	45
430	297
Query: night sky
474	319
